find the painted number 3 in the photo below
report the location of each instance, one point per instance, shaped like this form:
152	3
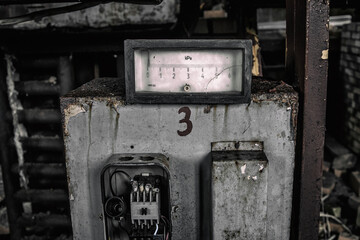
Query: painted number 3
186	120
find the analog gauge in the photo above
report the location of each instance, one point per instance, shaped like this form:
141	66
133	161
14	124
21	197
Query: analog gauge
188	71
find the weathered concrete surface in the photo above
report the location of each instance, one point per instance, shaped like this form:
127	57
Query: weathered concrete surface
105	125
106	15
239	194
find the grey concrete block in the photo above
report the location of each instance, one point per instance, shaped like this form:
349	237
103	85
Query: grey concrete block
351	27
343	63
345	161
352	80
4	222
355	50
355	35
97	127
354	65
346	35
357	90
350	95
357	74
357	115
349	72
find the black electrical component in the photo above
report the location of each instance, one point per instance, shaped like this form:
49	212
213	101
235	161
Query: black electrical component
136	197
115	207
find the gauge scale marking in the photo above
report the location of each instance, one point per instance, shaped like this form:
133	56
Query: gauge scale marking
199	71
188	71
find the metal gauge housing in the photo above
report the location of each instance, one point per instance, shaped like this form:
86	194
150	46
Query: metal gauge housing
188	71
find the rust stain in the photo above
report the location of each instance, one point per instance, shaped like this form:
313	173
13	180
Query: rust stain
112	108
207	109
226	111
214	113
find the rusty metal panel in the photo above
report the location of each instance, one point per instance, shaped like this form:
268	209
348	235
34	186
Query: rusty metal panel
239	194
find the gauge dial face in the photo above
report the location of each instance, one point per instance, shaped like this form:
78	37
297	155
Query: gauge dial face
188	71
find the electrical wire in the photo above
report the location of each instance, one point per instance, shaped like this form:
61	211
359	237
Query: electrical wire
167	224
326	225
110	180
157	228
332	237
337	220
165	220
324	198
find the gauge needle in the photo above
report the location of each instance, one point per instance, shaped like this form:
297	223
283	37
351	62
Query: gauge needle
218	74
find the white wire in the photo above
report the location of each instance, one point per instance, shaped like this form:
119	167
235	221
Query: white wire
328	226
337	220
324	198
332	237
157	228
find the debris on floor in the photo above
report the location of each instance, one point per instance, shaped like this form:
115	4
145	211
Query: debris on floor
340	202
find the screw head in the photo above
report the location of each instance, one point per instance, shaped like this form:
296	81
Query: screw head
187	88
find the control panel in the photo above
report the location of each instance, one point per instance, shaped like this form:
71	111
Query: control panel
136	197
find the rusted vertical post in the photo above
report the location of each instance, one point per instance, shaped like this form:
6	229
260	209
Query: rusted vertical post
307	62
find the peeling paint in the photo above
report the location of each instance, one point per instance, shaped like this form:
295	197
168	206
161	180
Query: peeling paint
243	169
18	128
261	168
257	68
325	54
71	111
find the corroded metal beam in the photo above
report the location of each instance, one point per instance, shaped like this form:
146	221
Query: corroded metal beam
307	63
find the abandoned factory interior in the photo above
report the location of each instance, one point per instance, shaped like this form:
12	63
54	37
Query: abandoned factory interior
180	119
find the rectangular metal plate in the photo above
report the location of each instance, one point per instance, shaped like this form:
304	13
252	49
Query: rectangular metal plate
239	194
